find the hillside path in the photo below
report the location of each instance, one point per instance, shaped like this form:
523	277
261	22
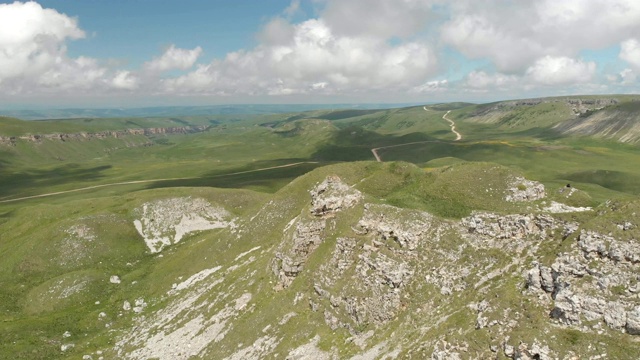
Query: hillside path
154	180
453	126
374	151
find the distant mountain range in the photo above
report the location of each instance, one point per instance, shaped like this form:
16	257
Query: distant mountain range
163	111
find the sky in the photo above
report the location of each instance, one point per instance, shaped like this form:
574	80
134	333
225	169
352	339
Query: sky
137	53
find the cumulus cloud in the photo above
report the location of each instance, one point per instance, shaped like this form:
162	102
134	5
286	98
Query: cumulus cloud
174	58
547	71
516	34
562	70
359	48
33	54
630	52
32	40
308	54
431	86
483	80
293	8
377	18
628	76
125	80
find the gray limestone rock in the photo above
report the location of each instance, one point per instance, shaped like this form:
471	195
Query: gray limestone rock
522	189
615	315
633	321
333	195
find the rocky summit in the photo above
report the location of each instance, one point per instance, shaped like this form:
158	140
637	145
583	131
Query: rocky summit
331	234
324	269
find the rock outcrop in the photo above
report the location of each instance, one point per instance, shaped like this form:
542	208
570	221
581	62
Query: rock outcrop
594	281
165	222
84	136
522	189
327	198
290	262
333	195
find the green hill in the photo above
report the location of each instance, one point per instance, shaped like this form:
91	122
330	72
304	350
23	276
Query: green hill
281	236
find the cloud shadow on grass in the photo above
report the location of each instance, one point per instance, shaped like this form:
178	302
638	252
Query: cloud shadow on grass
25	182
250	176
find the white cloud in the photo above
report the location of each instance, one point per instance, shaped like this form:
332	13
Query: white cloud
630	52
547	71
33	54
174	58
377	18
515	34
482	80
293	8
125	80
312	54
278	31
431	86
551	70
624	77
628	77
32	39
366	49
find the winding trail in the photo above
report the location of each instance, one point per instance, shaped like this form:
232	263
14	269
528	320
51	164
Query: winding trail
155	180
374	151
453	126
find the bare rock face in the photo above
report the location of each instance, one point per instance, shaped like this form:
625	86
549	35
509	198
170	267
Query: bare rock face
522	189
582	106
333	195
594	244
531	352
541	277
615	316
84	136
508	226
611	265
633	321
365	280
327	198
288	263
388	222
165	222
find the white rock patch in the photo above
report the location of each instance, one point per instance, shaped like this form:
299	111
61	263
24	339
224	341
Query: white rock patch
156	338
557	208
309	350
258	350
197	277
333	195
166	222
522	189
246	253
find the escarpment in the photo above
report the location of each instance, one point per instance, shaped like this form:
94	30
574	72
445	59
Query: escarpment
100	135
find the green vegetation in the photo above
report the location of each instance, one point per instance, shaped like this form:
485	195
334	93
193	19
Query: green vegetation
59	251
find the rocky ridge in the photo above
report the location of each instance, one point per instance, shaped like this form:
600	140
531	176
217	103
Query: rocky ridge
86	136
348	276
165	222
374	272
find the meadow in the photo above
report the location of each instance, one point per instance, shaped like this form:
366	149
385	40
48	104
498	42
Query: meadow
244	162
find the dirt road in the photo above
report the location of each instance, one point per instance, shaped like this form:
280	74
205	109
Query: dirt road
152	180
453	126
374	151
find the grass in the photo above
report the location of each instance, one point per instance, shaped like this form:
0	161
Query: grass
41	256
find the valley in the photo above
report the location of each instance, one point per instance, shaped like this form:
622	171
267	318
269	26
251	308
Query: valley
506	230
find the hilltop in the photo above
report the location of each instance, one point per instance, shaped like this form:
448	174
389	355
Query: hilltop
283	236
326	266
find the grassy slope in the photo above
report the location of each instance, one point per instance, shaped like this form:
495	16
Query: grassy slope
523	145
33	320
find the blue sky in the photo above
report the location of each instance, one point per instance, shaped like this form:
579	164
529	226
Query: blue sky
91	53
136	30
